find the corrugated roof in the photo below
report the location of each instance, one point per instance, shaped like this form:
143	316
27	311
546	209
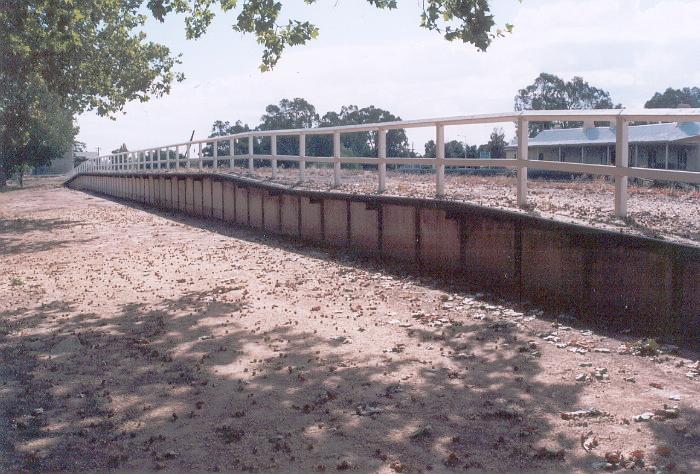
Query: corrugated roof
660	132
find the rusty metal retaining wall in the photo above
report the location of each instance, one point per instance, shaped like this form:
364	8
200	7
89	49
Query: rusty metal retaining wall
619	280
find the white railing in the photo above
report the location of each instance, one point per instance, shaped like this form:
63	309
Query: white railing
150	159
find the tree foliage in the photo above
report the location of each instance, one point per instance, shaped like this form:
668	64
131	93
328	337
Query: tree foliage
496	146
550	92
672	98
299	113
89	54
224	128
62	57
456	149
469	21
34	130
363	143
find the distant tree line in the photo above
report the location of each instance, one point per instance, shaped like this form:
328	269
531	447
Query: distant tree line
298	113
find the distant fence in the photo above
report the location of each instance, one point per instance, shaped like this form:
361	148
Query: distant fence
178	156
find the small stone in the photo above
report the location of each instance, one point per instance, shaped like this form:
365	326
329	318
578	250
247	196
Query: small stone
646	416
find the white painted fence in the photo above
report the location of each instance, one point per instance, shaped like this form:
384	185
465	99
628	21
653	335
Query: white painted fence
178	156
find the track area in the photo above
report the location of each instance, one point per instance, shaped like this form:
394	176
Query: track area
136	340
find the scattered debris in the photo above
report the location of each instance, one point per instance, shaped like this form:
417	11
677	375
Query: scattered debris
367	410
229	434
550	453
589	413
667	412
341	339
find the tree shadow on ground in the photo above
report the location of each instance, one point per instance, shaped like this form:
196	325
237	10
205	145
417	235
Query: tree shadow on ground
21	225
190	384
13	232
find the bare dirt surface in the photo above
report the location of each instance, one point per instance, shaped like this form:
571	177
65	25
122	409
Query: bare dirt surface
139	340
668	213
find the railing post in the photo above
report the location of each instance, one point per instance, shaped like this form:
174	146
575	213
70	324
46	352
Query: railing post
200	156
231	151
273	150
440	160
215	153
381	155
302	156
336	158
251	150
621	163
177	157
523	152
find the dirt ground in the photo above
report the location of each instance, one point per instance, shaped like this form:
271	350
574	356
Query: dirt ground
139	340
670	213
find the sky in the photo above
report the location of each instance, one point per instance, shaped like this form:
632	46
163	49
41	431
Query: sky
364	56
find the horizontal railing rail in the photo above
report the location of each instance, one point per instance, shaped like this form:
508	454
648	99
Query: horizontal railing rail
179	155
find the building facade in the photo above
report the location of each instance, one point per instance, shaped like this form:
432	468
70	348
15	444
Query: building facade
672	146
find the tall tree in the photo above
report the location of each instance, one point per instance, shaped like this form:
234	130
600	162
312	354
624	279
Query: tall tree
361	143
289	114
299	113
60	58
496	145
121	149
34	129
223	128
90	54
672	98
550	92
453	149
